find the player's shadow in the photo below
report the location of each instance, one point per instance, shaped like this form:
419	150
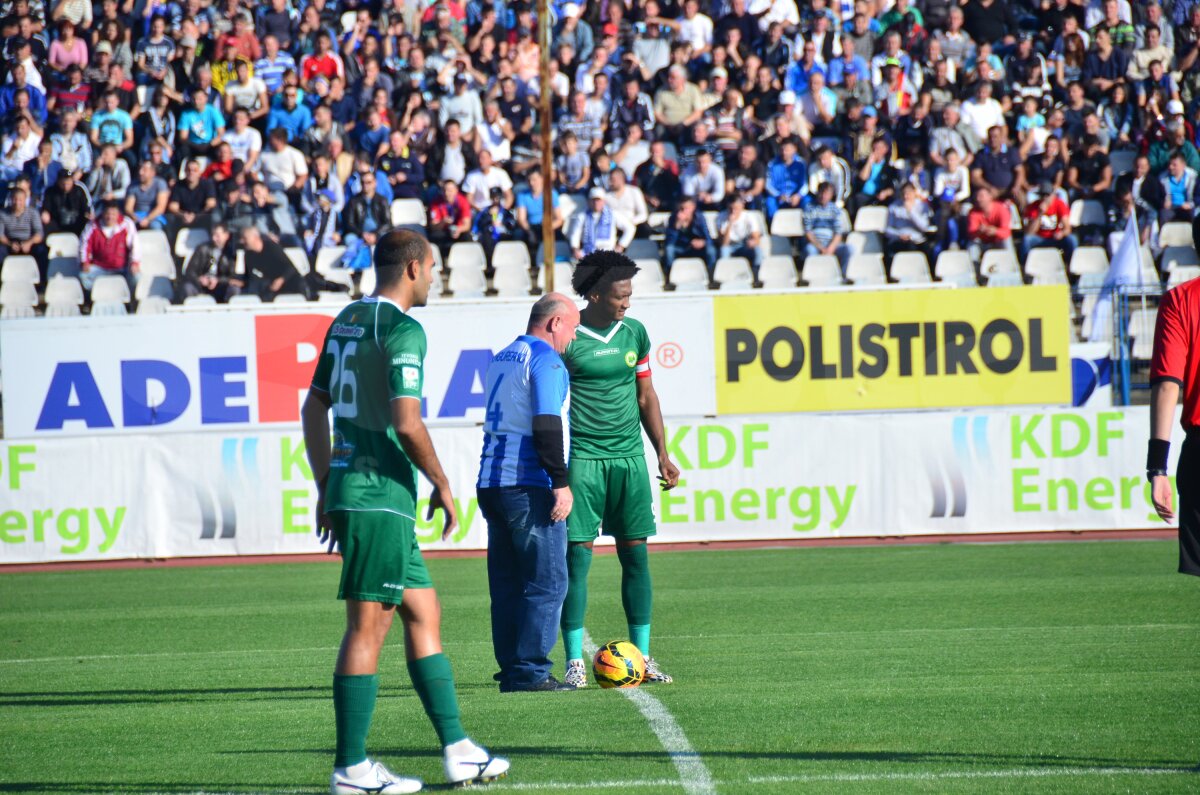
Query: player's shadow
72	698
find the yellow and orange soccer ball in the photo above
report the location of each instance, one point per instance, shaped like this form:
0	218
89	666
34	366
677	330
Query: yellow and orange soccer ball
618	664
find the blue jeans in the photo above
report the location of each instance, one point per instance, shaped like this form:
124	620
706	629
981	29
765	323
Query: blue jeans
672	252
527	577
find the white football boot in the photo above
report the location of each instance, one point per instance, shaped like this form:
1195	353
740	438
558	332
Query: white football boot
376	781
654	674
576	674
468	763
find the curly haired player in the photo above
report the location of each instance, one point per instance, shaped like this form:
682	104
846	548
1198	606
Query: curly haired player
612	399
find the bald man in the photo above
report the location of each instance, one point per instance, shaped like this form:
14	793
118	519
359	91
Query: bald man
524	495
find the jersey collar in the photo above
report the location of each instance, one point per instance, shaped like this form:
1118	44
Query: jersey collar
605	339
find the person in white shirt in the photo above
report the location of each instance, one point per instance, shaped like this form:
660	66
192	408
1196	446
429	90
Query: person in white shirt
244	140
981	112
597	228
782	11
496	134
705	182
739	233
284	168
479	183
696	29
626	199
19	147
246	92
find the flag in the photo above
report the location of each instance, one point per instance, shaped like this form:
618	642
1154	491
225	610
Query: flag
1124	269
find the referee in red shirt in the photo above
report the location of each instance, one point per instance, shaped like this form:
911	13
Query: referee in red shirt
1175	367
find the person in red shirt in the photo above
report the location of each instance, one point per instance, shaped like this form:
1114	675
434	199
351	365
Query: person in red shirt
989	225
1175	374
450	217
322	63
1048	224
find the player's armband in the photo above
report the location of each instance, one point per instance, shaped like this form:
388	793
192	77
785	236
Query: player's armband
643	368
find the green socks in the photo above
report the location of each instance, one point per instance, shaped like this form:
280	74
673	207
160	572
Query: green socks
636	593
434	683
353	706
579	562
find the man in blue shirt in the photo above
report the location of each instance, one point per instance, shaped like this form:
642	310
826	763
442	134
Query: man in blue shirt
524	494
200	128
787	179
293	117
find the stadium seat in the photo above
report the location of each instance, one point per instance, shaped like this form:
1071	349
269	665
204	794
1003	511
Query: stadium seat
466	281
466	256
344	298
111	288
64	296
689	274
20	268
870	219
562	278
1005	279
366	282
202	300
822	270
1087	212
326	265
1122	161
568	205
788	222
1044	263
289	298
1183	273
511	254
999	260
649	278
962	279
408	212
63	253
1179	256
1141	330
155	250
734	273
188	240
910	267
154	286
512	281
866	269
865	242
1150	274
778	273
18	299
778	246
562	252
1089	259
1176	233
641	248
299	258
1089	287
245	299
151	305
951	263
658	221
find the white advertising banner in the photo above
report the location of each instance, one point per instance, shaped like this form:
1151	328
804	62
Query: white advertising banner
245	371
744	478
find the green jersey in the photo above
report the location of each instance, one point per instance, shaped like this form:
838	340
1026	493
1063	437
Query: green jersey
605	365
373	354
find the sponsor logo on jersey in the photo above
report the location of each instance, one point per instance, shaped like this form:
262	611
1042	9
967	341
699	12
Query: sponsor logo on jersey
393	586
406	358
341	452
342	330
630	358
606	351
411	377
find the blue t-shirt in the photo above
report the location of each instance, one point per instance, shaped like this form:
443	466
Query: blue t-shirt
112	126
525	380
202	125
296	121
533	204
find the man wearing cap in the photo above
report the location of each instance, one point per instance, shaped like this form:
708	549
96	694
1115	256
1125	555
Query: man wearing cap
66	207
464	106
321	225
574	31
1048	224
597	228
493	224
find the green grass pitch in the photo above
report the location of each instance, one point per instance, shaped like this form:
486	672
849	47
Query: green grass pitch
1048	667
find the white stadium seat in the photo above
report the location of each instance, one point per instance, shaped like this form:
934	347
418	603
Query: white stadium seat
734	273
1179	256
63	253
788	222
466	256
511	254
866	269
156	247
870	219
689	274
152	305
649	278
999	260
1183	273
822	270
1089	259
911	267
512	280
64	296
465	281
17	299
865	242
1088	212
1176	233
299	258
1005	279
961	279
111	288
562	278
951	263
641	248
20	268
289	298
188	240
778	273
408	212
1141	329
245	299
204	299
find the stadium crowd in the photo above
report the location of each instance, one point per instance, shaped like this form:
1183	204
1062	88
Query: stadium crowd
297	124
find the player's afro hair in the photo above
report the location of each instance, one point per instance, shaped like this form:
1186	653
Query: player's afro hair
599	270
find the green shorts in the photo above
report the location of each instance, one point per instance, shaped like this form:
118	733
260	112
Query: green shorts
613	495
380	556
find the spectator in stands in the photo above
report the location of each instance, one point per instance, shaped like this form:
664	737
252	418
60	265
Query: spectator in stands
200	127
1147	192
826	226
658	178
787	180
321	226
1104	67
598	228
688	236
1175	142
740	233
269	271
628	200
989	225
291	116
193	199
1118	220
450	217
834	170
705	182
66	207
530	215
677	106
573	166
877	179
211	269
493	224
1178	191
999	168
19	147
367	217
910	225
1048	224
109	179
146	199
109	247
479	183
951	189
42	170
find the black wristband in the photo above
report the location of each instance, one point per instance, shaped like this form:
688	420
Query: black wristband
1157	452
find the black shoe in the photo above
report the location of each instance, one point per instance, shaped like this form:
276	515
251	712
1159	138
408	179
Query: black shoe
547	684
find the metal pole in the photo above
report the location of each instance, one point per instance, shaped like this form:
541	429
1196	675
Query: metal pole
543	20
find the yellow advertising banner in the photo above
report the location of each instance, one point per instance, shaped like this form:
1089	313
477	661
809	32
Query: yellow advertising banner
892	349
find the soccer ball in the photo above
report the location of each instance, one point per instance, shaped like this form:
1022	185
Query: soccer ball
618	664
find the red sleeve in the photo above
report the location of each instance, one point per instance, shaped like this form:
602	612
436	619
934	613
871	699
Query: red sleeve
974	221
1169	360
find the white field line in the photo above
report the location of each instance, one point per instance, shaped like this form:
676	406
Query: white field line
693	775
846	633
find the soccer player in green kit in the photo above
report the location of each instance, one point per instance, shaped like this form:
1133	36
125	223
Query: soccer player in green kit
370	373
612	400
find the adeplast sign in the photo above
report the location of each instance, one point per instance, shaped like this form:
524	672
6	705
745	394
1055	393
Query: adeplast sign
226	370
